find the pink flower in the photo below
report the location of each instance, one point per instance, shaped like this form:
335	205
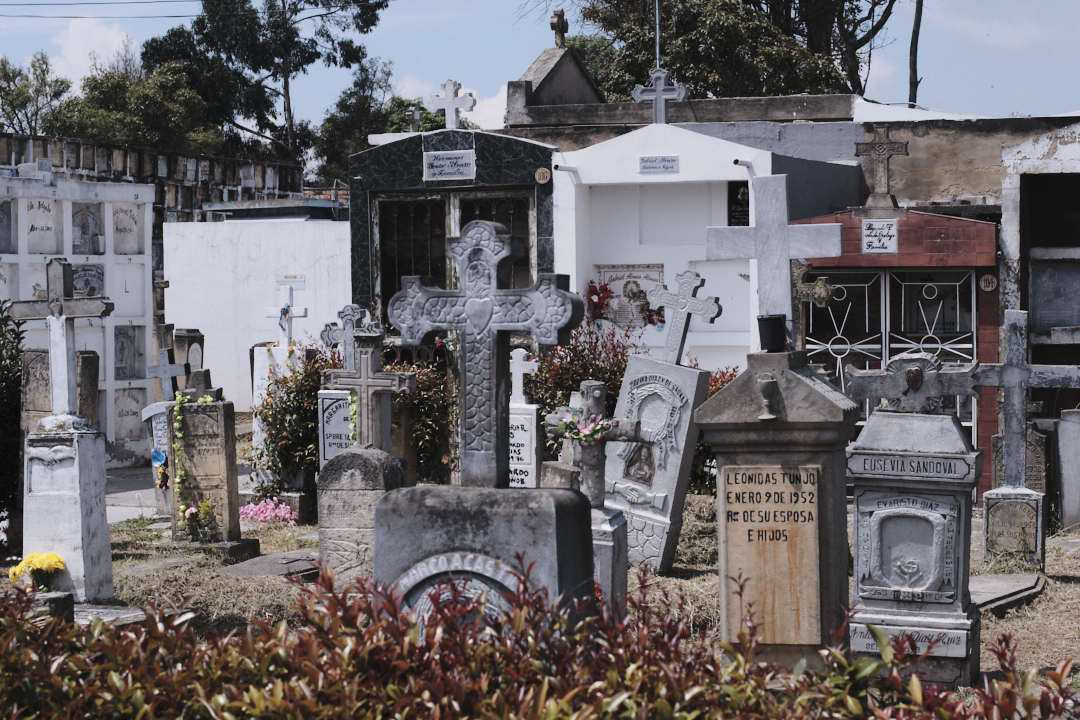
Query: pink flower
267	510
190	511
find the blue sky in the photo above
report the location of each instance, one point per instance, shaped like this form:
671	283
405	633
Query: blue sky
983	57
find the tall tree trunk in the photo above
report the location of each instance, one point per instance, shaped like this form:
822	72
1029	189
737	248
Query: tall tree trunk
913	58
287	71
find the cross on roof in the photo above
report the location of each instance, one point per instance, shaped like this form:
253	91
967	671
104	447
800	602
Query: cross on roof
415	115
519	367
285	312
560	26
912	382
773	243
879	151
485	314
367	381
167	370
451	103
818	292
1016	375
660	93
59	311
683	303
354	320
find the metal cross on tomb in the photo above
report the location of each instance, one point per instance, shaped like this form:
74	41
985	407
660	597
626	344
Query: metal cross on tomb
879	151
167	370
1015	376
913	382
451	103
59	312
367	380
660	94
354	320
683	303
519	368
285	312
485	314
818	292
773	243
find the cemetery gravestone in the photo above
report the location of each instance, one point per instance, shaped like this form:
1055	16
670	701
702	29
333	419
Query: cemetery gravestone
88	237
648	479
818	292
37	392
451	103
1068	449
1035	460
188	347
779	432
913	476
335	418
526	442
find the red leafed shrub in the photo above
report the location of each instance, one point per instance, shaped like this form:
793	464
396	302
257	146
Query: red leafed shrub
357	655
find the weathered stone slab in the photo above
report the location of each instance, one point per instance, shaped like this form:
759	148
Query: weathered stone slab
1035	465
1014	522
1068	456
43	225
294	563
335	435
207	458
526	448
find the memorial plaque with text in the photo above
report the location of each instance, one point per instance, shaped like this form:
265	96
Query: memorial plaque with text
335	416
524	464
450	165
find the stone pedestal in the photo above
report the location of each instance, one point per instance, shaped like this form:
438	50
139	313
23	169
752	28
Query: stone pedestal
779	431
609	541
913	476
1068	451
64	505
350	485
1014	521
207	457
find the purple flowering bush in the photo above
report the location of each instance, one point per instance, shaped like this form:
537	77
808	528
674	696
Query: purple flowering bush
268	510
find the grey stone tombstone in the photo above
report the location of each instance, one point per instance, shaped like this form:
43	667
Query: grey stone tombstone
648	479
189	345
913	473
1034	460
779	431
1068	450
88	235
64	458
1015	515
451	103
485	314
335	435
660	94
773	243
526	439
37	391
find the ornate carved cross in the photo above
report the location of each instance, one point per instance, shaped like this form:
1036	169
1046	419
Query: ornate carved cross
485	314
818	292
913	382
879	151
683	303
560	26
451	103
59	311
285	312
166	370
354	320
659	94
415	115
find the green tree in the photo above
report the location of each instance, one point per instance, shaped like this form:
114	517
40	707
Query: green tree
11	341
29	97
242	60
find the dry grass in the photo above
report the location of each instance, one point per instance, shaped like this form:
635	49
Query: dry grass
277	537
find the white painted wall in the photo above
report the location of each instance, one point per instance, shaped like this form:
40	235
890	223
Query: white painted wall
221	280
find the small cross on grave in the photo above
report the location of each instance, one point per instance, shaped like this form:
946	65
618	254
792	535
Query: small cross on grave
660	94
166	370
367	381
879	151
199	386
560	26
519	367
485	314
818	292
354	320
415	115
59	310
683	303
773	243
285	312
451	103
913	382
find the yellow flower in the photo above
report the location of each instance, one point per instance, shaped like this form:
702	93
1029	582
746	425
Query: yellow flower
36	562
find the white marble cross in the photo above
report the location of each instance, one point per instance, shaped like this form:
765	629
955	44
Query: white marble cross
519	366
285	313
773	243
659	94
451	103
683	303
166	369
59	312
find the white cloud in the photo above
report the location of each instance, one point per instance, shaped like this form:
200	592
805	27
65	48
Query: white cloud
489	113
81	38
412	87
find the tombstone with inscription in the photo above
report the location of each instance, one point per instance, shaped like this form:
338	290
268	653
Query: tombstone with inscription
37	391
1034	461
526	441
648	479
64	458
779	431
475	535
913	473
88	236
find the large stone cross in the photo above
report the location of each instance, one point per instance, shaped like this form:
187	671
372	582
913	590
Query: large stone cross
59	311
167	370
683	303
913	382
560	26
773	243
659	94
199	386
285	312
485	314
879	150
354	320
451	103
367	380
818	292
519	367
1015	375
